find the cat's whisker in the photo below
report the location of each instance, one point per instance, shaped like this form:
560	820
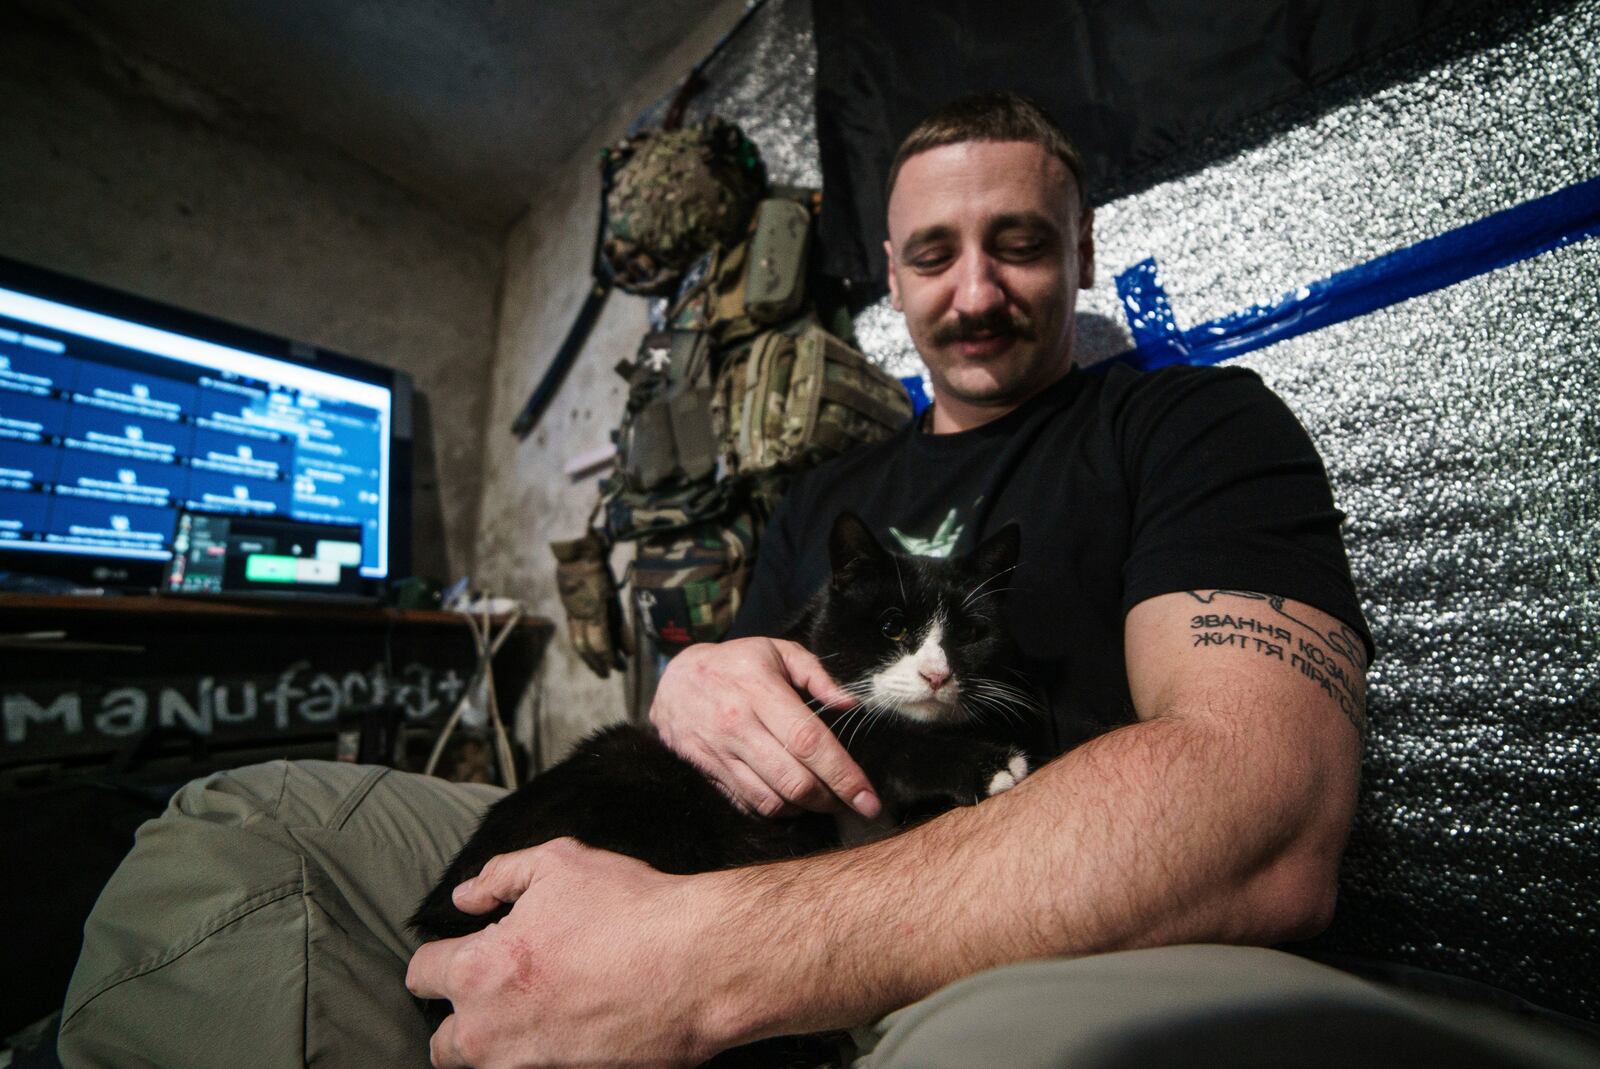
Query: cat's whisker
879	716
1028	682
987	593
974	591
998	687
868	714
1004	689
856	690
878	708
983	706
1003	696
853	713
904	601
1002	708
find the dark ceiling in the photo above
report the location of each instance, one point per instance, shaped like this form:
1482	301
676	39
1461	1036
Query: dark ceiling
465	102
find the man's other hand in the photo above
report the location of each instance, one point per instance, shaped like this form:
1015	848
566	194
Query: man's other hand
590	967
731	709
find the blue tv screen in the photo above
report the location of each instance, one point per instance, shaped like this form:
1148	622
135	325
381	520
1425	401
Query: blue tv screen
116	413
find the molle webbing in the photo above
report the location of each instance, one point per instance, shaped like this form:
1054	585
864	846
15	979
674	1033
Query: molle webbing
796	397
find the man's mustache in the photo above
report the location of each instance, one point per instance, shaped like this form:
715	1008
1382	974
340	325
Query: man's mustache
1000	323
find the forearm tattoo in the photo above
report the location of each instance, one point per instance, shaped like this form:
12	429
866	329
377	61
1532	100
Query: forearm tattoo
1335	660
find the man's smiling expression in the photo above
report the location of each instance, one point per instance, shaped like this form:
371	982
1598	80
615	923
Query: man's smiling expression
987	251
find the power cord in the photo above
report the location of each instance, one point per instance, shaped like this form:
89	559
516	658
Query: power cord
487	642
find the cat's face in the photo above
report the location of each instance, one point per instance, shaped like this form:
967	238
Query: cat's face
919	637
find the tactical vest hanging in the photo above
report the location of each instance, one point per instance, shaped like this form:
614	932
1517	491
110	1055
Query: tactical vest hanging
742	388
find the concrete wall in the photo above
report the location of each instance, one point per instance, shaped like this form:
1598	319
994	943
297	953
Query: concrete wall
528	499
116	170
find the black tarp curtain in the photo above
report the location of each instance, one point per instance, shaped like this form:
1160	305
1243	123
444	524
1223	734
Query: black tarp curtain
1136	84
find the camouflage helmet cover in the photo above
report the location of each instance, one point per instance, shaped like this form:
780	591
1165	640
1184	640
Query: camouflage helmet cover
674	195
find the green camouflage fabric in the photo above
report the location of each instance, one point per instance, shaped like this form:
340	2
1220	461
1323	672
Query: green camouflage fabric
589	595
793	398
675	194
687	586
715	301
740	388
633	514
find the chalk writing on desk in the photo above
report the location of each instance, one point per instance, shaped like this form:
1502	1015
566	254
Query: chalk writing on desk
45	720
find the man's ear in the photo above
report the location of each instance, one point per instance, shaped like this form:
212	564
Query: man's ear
894	283
852	548
1086	250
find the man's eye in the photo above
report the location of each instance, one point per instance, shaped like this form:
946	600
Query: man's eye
929	262
1023	250
893	626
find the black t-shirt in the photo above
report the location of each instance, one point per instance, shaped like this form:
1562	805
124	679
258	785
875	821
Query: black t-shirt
1126	485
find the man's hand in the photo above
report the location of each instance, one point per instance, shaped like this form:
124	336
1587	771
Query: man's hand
592	965
731	710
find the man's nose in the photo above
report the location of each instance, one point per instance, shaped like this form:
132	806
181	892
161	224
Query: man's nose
978	288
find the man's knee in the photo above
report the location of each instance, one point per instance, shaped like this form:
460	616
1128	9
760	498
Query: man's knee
273	891
291	793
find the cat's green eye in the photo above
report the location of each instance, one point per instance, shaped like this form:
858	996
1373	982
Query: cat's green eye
893	625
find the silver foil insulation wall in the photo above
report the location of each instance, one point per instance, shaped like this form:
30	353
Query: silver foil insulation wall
1460	434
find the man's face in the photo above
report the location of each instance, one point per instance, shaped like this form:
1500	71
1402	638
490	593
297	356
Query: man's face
987	252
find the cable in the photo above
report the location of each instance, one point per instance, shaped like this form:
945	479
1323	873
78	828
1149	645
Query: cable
486	649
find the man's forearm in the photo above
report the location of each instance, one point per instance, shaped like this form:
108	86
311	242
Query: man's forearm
1160	832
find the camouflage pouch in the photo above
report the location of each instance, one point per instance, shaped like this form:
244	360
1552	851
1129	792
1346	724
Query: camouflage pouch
589	595
687	586
793	398
775	278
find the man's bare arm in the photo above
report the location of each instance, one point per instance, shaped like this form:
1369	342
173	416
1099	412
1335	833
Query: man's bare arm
1218	817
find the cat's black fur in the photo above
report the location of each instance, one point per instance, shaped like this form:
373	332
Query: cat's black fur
623	790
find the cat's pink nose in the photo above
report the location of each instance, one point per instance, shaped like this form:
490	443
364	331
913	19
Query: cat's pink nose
936	677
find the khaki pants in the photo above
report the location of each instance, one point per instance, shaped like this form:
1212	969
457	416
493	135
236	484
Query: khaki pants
260	922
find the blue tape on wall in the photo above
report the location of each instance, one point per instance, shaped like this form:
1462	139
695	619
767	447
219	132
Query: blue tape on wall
1542	225
917	389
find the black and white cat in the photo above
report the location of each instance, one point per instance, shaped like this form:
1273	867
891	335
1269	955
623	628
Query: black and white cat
920	645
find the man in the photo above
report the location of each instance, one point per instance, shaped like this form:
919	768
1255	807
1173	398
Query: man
1217	815
1184	595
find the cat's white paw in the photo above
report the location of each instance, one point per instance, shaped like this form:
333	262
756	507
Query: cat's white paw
1015	772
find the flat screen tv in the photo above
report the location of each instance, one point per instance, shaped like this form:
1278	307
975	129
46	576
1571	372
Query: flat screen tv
117	413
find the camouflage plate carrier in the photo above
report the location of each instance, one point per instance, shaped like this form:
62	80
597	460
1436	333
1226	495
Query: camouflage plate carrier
739	388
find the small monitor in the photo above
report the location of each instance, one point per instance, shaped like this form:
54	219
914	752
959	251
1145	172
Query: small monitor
228	555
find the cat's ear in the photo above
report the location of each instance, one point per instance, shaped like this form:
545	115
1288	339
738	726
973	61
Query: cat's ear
851	548
999	552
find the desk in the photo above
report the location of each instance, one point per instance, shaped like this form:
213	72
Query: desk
84	678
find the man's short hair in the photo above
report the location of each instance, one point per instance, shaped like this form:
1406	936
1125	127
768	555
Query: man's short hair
1000	116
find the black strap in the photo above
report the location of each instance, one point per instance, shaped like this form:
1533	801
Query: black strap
578	333
566	356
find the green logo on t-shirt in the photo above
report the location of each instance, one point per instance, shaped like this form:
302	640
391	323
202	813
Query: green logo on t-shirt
938	545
